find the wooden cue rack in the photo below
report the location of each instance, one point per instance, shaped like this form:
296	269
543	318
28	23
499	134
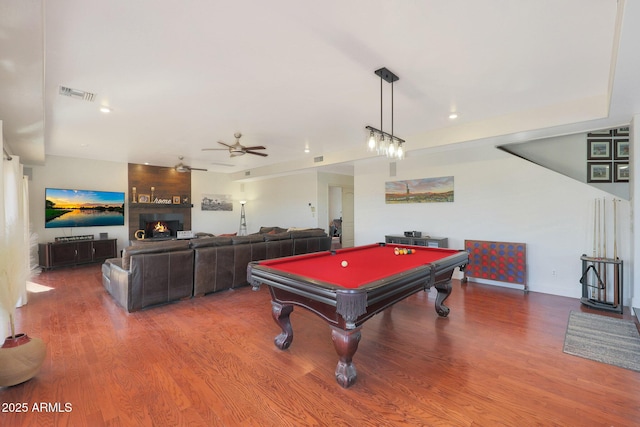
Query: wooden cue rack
594	283
602	276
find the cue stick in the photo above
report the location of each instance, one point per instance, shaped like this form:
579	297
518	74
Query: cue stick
595	216
595	222
604	247
599	269
616	294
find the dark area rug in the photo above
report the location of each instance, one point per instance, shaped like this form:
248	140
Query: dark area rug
603	339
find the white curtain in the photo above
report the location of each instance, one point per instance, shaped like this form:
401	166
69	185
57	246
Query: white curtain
26	230
14	234
4	315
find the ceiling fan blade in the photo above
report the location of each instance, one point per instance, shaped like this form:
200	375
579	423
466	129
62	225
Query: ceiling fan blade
256	153
257	147
225	144
198	169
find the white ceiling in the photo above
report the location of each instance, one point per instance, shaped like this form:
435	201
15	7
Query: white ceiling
288	73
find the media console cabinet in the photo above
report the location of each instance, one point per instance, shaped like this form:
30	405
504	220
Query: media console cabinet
69	253
430	242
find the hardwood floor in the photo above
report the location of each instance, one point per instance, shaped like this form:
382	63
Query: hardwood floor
496	360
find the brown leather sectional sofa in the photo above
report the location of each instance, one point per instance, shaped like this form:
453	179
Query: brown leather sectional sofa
152	273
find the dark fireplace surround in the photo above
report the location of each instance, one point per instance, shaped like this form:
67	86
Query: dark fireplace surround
150	189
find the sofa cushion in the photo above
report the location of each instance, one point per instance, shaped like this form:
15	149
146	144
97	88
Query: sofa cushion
272	230
277	236
310	232
210	241
203	234
241	240
150	248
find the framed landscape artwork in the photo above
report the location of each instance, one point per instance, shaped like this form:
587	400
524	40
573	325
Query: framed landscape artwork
621	150
621	173
599	149
426	190
599	172
217	202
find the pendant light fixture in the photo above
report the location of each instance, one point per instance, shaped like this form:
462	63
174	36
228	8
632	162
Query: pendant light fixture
377	140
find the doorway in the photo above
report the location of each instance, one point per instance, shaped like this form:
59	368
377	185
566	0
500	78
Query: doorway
341	214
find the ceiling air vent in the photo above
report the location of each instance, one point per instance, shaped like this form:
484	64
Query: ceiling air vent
318	159
77	94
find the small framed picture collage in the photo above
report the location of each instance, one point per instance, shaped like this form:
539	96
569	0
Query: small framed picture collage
608	155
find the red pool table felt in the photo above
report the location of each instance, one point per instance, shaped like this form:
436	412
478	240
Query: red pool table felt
366	264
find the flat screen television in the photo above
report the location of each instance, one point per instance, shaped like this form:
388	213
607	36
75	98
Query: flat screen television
82	208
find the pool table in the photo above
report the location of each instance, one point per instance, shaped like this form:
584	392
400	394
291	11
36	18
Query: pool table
346	287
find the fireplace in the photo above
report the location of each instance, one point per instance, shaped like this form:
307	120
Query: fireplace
161	226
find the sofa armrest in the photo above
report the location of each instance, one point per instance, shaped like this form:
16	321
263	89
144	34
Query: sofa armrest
119	282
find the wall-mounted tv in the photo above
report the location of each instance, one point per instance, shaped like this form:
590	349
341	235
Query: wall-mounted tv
83	208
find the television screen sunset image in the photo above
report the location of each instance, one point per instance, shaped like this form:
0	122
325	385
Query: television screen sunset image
83	208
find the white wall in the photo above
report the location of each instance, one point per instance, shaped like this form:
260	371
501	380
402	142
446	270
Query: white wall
498	197
214	222
65	172
283	201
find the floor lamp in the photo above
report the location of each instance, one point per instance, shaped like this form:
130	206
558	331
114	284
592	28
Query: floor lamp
243	220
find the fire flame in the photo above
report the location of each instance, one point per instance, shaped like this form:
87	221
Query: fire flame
160	227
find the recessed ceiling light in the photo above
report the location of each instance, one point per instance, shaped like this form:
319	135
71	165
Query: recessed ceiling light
306	149
105	109
453	116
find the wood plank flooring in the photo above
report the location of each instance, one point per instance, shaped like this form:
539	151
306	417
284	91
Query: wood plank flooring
497	360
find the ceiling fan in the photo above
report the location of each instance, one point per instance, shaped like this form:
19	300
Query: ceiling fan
238	149
182	168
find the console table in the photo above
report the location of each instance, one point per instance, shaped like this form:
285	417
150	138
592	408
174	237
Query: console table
59	254
430	242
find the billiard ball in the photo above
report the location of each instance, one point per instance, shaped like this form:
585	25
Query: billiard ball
344	263
396	251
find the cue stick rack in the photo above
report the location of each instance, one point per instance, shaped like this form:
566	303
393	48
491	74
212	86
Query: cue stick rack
602	275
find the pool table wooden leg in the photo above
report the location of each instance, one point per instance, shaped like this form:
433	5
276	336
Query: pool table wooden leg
281	314
346	344
444	290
